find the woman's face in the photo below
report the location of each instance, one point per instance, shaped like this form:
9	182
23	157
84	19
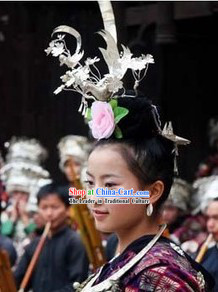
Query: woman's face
69	164
108	169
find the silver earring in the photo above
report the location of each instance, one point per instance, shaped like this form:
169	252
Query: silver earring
149	210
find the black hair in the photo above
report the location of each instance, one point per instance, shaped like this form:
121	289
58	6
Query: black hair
148	154
52	189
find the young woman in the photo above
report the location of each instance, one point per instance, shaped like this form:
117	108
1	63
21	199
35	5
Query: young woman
143	160
132	152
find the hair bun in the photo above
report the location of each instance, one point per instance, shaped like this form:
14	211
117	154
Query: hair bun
139	123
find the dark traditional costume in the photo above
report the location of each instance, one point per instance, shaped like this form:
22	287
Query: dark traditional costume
62	260
210	263
165	267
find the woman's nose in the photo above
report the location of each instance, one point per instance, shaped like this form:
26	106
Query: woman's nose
96	195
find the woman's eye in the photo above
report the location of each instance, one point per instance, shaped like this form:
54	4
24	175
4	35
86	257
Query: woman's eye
110	185
89	183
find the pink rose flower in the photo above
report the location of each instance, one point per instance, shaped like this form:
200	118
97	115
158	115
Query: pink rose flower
102	123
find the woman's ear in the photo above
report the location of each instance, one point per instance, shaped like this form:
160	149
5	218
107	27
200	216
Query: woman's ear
155	191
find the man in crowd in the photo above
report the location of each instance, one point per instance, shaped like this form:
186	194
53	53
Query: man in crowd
63	259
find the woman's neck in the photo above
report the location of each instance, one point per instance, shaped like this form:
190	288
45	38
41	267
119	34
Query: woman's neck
127	236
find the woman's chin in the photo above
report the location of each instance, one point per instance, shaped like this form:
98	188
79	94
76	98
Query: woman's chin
103	227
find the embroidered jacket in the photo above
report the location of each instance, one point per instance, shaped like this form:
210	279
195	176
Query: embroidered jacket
164	268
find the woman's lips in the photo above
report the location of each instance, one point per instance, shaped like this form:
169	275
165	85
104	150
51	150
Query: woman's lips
99	215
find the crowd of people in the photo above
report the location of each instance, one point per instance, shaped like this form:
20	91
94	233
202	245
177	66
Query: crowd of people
29	199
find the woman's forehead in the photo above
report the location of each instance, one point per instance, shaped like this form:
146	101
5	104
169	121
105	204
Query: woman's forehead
107	157
108	163
105	153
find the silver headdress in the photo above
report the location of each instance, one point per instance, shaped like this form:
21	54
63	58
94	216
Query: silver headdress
205	190
22	170
85	78
180	194
25	154
168	133
73	146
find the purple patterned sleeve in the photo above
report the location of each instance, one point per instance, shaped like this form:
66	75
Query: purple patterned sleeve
164	269
168	278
